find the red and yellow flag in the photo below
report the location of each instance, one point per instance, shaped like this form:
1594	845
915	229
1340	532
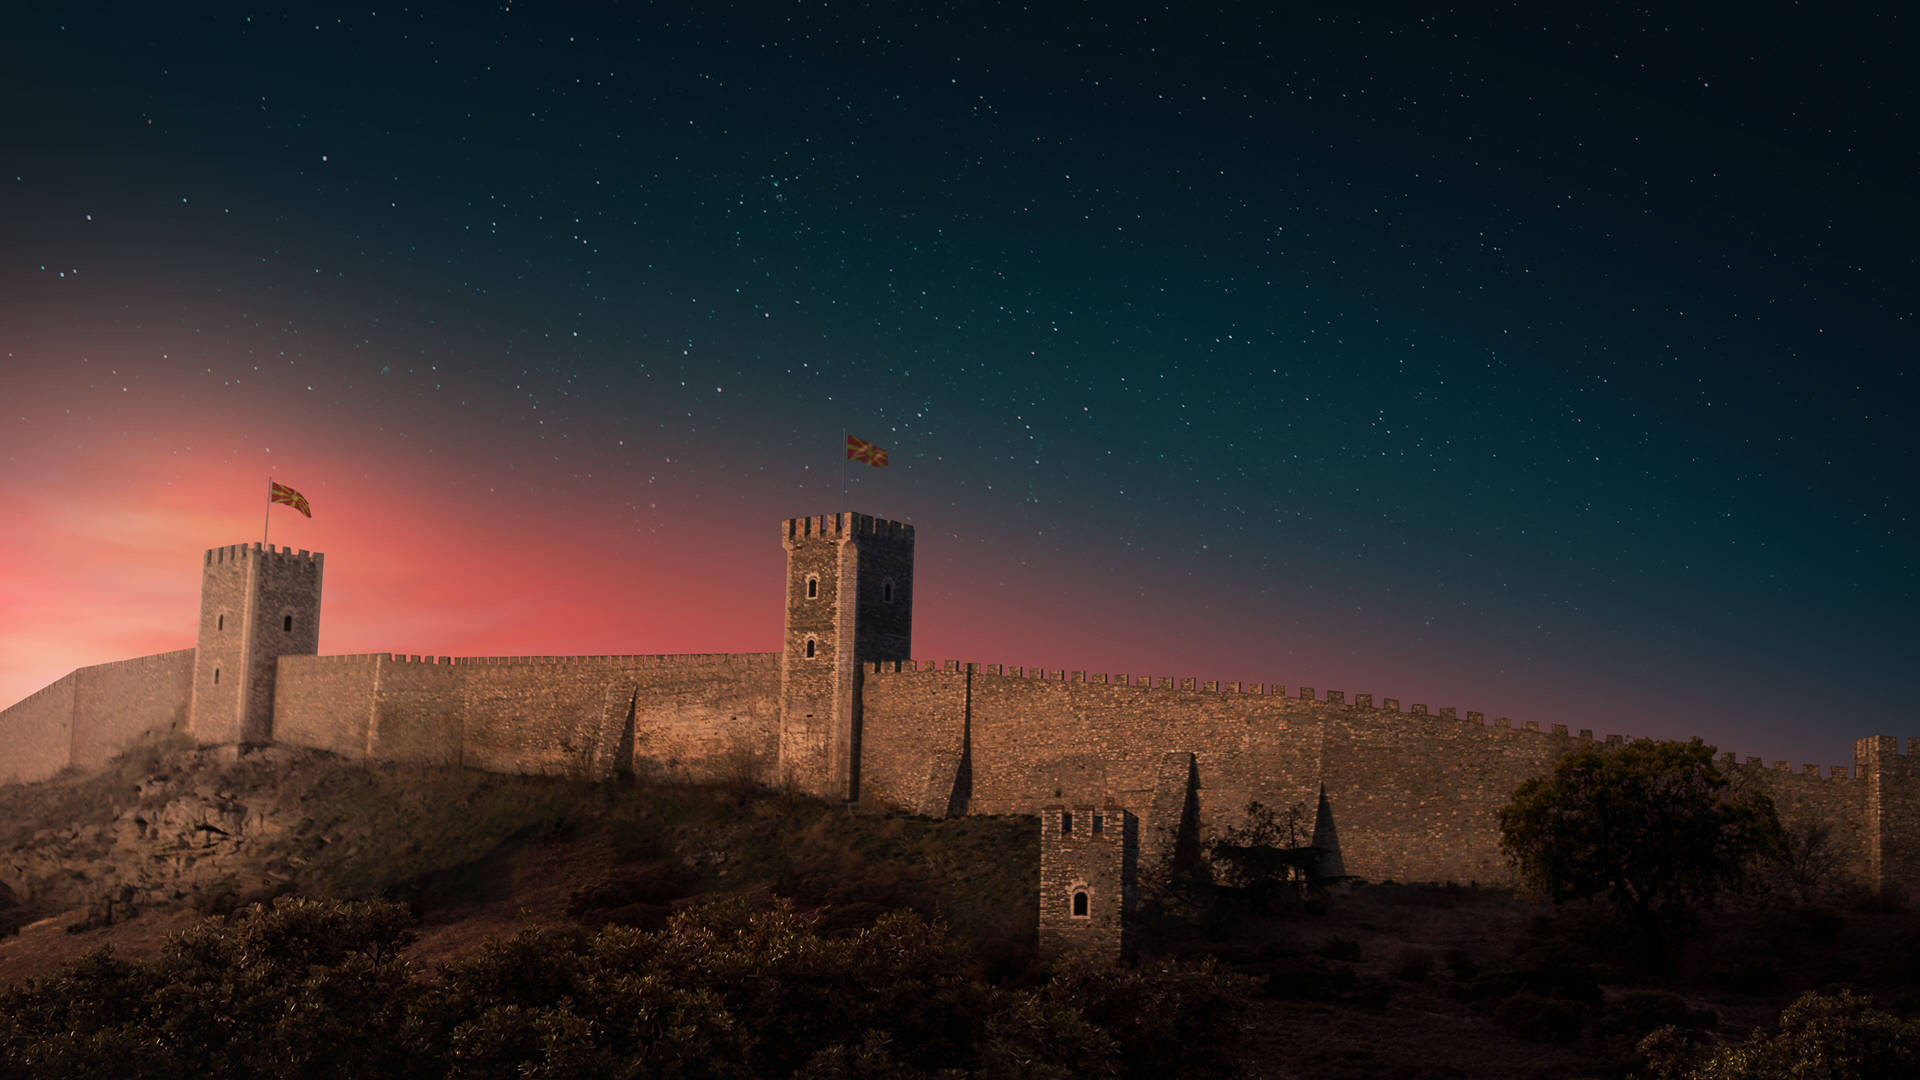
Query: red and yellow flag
281	493
862	450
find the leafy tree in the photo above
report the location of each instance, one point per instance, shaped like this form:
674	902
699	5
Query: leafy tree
1268	854
1820	1037
1652	826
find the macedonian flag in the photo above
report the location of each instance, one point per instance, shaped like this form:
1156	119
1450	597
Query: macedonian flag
862	450
281	493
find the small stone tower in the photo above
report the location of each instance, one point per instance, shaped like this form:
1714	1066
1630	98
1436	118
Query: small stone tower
849	602
256	605
1089	866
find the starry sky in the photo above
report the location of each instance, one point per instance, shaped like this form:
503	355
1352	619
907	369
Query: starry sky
1561	370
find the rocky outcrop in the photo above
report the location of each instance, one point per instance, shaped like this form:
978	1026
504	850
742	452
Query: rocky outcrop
183	841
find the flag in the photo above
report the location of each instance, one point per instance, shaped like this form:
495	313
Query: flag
281	493
862	450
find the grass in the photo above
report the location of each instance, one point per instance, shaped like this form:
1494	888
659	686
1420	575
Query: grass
75	798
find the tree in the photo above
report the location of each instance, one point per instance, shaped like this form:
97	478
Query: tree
1267	855
1652	826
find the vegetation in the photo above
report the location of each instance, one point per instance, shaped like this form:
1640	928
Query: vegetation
1820	1037
1267	857
1649	825
307	988
685	929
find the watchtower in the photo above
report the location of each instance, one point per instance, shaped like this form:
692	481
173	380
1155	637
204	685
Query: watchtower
1089	866
256	605
849	602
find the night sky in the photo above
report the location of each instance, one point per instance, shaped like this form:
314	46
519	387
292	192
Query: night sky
1557	370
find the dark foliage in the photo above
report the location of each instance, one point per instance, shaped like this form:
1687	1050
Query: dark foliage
1819	1037
1650	826
735	989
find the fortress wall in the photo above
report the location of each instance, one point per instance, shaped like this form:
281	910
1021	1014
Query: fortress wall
419	705
326	702
1836	801
912	731
706	715
37	732
1415	795
545	714
1040	737
118	702
532	714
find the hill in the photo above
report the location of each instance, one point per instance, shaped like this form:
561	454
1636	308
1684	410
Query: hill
1381	979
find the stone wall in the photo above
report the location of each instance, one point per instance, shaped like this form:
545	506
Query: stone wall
118	702
256	605
1088	865
326	702
92	713
1414	795
37	732
699	715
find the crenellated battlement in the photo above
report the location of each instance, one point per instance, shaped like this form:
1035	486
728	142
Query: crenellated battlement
845	526
272	554
1886	746
623	660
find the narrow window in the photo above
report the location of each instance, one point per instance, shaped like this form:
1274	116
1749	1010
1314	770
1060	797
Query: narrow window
216	676
220	623
813	588
1098	821
1066	823
886	593
1080	904
287	624
809	648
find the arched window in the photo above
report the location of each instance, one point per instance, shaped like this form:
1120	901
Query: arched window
813	587
220	623
809	648
216	676
886	592
1066	823
1080	903
287	624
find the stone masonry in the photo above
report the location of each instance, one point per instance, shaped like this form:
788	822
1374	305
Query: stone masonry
843	712
1089	866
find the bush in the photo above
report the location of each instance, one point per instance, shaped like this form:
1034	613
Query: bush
1548	968
1413	965
1637	1014
1819	1037
1339	948
1461	963
310	989
1315	980
1537	1018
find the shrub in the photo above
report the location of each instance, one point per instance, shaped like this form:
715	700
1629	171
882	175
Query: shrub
1340	948
1819	1037
1413	965
1537	1018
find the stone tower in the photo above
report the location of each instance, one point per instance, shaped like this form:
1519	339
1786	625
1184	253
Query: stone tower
256	605
849	602
1089	865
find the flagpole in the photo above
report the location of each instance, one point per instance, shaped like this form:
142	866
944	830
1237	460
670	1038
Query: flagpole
266	518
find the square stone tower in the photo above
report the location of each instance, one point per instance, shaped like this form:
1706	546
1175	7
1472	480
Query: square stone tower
849	602
1089	866
256	605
